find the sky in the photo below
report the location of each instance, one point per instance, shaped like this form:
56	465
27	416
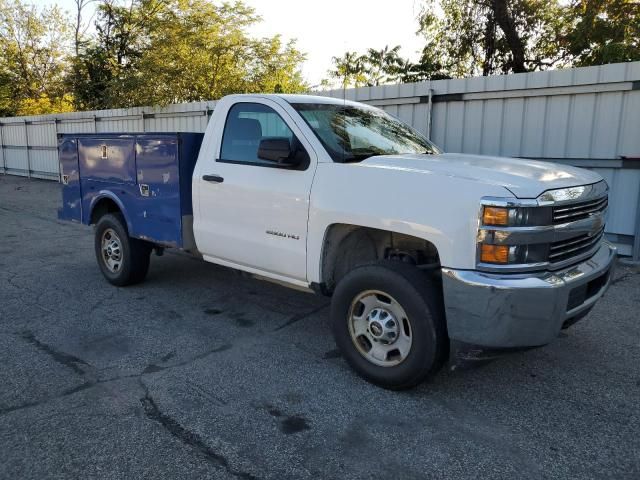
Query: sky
328	28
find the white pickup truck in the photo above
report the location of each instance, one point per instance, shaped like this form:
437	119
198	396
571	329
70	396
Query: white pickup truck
420	250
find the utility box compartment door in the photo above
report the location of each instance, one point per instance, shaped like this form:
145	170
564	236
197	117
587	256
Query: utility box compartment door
158	212
70	177
107	159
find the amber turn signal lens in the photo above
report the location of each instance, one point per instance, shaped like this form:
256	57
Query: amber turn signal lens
495	216
494	254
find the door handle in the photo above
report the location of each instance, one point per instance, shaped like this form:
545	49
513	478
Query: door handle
213	178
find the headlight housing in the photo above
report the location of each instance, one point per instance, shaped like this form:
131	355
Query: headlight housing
499	221
516	216
513	254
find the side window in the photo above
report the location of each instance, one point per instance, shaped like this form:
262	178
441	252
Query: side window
247	124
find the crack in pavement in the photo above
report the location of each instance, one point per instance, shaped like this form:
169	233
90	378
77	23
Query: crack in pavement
65	359
65	393
187	437
38	295
72	362
300	316
153	368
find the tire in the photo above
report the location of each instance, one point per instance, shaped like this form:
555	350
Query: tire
124	260
409	349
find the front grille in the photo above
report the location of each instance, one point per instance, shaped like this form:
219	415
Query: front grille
573	247
578	211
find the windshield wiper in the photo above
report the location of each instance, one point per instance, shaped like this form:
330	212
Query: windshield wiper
357	158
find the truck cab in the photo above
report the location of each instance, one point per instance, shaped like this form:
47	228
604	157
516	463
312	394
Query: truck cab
422	252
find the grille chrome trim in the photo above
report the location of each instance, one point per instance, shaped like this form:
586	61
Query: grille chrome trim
542	234
565	250
582	205
579	211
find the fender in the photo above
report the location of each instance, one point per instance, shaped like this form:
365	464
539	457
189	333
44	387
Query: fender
112	196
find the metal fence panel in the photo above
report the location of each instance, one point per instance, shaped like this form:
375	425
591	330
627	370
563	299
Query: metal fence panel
44	163
77	126
14	134
16	162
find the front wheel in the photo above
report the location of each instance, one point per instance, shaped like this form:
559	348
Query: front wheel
123	260
388	321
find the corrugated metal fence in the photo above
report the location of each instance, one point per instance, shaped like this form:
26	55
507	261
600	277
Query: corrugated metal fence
588	117
28	145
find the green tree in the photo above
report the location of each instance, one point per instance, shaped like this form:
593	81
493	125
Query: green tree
375	67
349	69
80	27
34	48
106	71
167	51
472	37
603	31
382	66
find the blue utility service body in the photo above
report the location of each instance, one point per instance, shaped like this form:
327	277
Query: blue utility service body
147	175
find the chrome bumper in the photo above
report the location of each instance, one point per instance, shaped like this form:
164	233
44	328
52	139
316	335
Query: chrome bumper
522	310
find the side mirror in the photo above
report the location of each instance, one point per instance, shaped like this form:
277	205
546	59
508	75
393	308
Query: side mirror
278	150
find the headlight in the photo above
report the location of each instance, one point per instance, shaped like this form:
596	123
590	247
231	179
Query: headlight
495	216
516	216
513	254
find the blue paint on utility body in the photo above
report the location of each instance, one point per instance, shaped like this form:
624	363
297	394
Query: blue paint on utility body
147	175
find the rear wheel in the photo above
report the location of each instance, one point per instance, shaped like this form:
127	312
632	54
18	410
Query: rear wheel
123	260
388	321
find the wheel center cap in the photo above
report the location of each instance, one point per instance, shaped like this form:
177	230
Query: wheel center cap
383	326
376	329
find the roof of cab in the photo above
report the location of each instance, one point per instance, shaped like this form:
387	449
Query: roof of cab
293	98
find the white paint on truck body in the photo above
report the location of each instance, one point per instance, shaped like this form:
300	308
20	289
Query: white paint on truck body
432	197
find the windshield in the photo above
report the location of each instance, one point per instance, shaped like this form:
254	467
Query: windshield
352	134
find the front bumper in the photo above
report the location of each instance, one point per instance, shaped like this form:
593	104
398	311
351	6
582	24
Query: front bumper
522	310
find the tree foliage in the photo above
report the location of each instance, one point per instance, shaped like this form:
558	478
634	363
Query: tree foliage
150	52
375	67
141	52
486	37
33	59
493	36
603	31
167	51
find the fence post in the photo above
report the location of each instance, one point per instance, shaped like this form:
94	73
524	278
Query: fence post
4	161
429	111
635	253
55	128
26	140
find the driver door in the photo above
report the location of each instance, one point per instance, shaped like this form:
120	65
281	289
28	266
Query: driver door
253	212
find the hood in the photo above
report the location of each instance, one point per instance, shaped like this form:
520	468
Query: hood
524	178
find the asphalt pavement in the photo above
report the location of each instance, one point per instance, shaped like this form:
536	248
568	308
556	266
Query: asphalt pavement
201	372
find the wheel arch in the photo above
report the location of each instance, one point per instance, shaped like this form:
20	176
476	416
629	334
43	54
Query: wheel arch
346	246
107	202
